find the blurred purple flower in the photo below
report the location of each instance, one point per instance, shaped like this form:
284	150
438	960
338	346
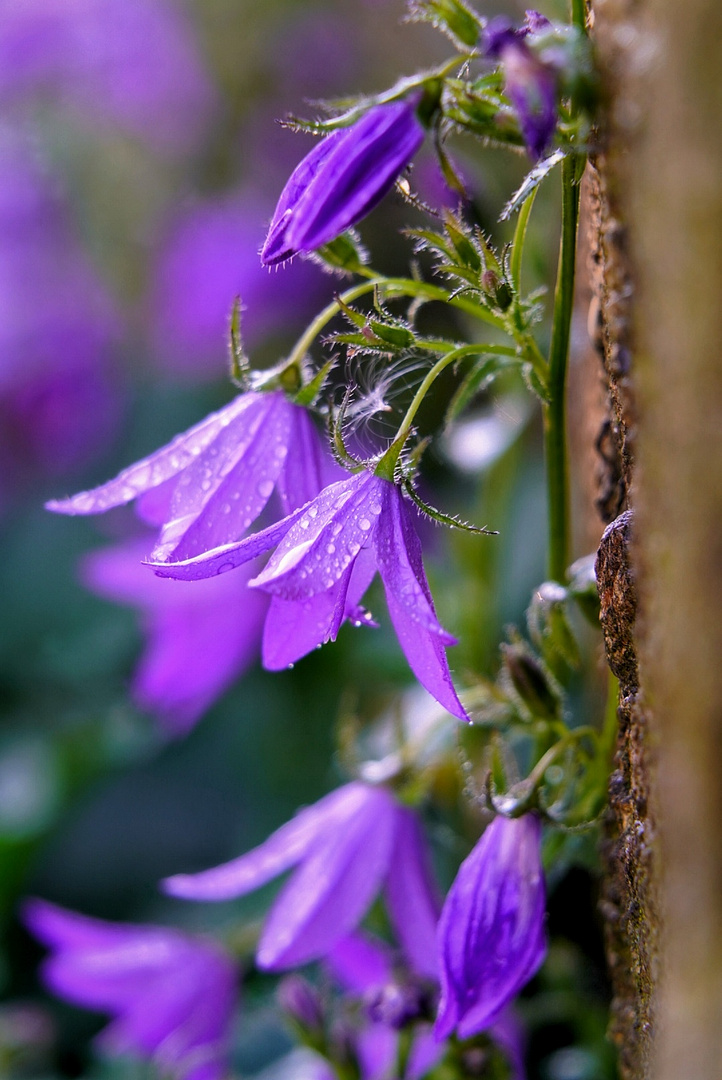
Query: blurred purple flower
347	847
328	553
200	637
210	255
342	179
491	930
208	485
530	83
171	996
57	324
364	967
134	63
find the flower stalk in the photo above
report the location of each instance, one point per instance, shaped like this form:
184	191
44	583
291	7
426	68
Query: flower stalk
555	439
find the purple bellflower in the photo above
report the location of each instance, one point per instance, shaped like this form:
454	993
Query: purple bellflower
364	967
347	847
530	83
491	930
342	179
207	486
171	996
199	638
328	553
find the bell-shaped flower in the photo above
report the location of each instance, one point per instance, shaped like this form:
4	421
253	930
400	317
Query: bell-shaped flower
347	848
530	82
208	485
199	637
491	930
342	179
171	996
328	553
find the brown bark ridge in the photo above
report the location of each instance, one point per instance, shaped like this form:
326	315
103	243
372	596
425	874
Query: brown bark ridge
629	901
662	168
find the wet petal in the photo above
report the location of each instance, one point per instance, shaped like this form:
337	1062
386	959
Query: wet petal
295	627
153	470
325	539
334	886
308	467
226	557
283	849
222	492
411	895
491	930
398	550
359	963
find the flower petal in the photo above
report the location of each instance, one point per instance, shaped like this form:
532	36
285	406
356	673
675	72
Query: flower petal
228	556
324	540
356	174
411	895
398	551
276	247
222	492
308	467
153	470
491	930
283	849
334	886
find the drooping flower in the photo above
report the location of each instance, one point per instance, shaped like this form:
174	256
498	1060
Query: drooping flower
171	996
199	638
530	83
328	553
491	930
342	179
347	847
208	486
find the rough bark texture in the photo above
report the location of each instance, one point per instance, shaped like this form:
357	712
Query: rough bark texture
660	175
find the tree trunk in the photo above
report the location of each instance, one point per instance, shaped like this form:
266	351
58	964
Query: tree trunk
660	186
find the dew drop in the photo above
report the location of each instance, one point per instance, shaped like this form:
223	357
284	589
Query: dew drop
337	529
304	523
265	488
312	511
364	524
330	548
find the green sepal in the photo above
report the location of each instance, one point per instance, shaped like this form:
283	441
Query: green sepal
345	254
530	680
308	393
452	17
534	382
335	431
467	253
443	519
239	363
531	181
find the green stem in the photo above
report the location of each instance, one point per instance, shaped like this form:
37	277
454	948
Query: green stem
579	14
387	465
555	410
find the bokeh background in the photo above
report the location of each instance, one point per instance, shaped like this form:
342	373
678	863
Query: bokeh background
140	160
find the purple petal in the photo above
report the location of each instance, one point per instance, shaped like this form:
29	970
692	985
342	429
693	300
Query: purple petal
172	996
200	636
308	467
356	174
329	534
360	963
228	556
333	888
411	895
491	931
276	248
283	849
153	470
222	492
398	550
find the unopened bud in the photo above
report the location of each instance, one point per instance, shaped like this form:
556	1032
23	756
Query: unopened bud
398	1004
302	1002
531	682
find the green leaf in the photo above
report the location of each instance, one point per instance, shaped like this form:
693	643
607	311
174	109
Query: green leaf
452	17
308	394
346	253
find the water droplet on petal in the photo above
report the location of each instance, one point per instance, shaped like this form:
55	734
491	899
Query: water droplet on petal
337	529
304	523
330	548
265	488
312	511
364	524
